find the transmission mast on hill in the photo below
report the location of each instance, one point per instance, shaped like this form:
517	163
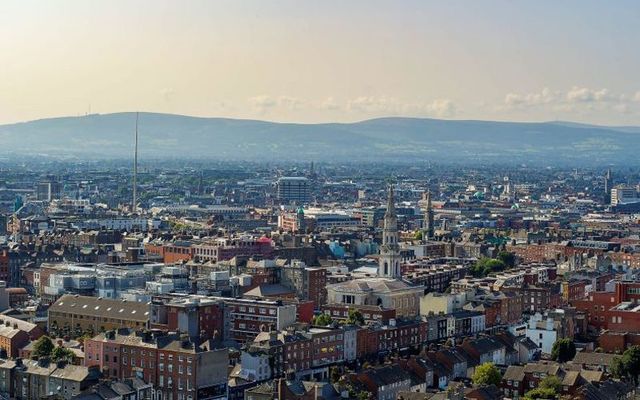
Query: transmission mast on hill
134	206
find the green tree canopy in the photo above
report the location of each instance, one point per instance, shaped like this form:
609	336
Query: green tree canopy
43	347
563	350
509	259
551	382
62	354
355	317
322	320
486	266
627	366
487	374
540	393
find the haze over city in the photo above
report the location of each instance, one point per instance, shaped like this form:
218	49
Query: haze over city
328	61
319	200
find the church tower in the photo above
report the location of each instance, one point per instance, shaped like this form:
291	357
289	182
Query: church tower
427	225
389	262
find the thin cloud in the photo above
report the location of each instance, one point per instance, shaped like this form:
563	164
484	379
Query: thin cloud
330	104
291	103
262	103
382	105
575	99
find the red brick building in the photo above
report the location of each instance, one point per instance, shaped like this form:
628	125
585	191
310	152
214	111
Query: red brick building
537	298
597	307
177	367
250	317
197	316
340	312
394	337
170	252
12	340
574	289
4	265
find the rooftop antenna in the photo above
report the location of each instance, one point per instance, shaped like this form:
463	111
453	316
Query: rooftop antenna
135	170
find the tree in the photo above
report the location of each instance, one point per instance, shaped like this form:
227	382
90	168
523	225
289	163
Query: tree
486	266
487	374
355	317
618	368
363	395
563	350
627	366
551	382
540	393
62	354
509	259
43	347
322	320
418	235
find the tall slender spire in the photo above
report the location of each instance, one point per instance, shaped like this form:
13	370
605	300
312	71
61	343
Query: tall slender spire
427	228
134	206
391	206
389	261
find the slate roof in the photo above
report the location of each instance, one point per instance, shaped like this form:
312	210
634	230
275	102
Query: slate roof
608	390
514	373
268	290
604	359
99	307
22	325
387	375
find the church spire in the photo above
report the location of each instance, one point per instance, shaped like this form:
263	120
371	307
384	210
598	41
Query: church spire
389	261
391	206
427	227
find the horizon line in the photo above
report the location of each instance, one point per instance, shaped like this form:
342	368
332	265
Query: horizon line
357	121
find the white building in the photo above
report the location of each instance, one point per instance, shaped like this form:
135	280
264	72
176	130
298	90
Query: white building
255	365
624	195
542	331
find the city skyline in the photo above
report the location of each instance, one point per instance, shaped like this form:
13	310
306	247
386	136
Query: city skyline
322	62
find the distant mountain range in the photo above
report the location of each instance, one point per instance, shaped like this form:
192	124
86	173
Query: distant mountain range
382	139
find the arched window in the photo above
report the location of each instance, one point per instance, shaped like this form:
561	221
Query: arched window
386	268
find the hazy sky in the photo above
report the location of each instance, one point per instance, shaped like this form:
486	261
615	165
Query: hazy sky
323	60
